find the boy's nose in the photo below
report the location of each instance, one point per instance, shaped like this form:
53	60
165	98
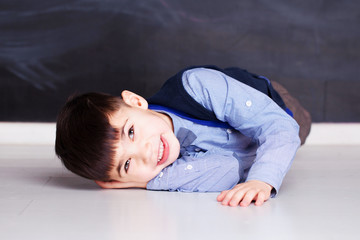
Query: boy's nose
146	152
143	153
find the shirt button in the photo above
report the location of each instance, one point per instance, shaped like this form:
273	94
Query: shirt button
228	130
161	174
248	103
189	167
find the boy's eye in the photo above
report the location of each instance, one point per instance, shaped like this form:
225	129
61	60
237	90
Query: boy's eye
127	165
131	132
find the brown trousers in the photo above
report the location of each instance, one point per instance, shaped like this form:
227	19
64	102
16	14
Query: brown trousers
301	115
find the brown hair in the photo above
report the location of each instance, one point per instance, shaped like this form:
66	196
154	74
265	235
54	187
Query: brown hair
84	137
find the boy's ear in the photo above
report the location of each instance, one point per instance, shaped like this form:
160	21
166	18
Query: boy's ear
134	100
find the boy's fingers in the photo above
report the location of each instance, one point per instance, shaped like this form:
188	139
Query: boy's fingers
245	193
237	197
222	195
249	196
234	196
228	197
260	199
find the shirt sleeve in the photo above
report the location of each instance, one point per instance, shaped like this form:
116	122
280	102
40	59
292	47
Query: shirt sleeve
252	113
198	174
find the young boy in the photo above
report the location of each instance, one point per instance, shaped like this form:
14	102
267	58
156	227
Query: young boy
226	137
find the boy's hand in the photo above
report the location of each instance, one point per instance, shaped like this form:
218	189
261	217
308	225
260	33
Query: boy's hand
245	193
117	184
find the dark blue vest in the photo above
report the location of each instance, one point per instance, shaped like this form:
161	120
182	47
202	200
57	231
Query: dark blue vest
173	94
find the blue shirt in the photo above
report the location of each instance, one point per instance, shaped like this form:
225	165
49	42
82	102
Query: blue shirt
260	145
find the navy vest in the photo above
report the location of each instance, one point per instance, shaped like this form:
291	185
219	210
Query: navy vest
174	96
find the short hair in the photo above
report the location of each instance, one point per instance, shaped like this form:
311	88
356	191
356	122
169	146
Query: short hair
85	138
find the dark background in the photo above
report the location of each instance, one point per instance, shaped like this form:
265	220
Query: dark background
50	49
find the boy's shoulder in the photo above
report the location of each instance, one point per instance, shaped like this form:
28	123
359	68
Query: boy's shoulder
201	79
174	95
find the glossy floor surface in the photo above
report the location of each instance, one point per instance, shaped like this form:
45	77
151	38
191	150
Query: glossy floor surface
39	199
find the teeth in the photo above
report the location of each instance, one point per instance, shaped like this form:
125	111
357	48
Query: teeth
161	151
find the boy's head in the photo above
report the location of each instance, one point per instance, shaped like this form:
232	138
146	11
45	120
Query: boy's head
84	137
108	138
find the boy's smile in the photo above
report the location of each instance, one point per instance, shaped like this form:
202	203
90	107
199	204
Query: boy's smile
163	151
147	143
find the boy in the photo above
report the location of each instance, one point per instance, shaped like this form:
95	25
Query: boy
243	144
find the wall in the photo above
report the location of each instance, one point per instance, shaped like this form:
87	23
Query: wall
51	49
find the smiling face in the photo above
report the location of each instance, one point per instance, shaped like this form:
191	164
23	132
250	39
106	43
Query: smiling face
146	144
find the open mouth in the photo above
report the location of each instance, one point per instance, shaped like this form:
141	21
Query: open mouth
163	151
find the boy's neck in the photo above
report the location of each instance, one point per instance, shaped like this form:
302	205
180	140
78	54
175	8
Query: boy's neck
166	118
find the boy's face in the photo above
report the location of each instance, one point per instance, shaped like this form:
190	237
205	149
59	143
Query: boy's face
147	141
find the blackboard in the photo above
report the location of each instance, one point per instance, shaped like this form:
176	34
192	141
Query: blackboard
50	49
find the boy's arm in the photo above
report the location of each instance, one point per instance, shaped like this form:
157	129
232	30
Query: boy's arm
255	115
203	173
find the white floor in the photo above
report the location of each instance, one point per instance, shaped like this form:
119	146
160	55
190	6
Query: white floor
39	199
